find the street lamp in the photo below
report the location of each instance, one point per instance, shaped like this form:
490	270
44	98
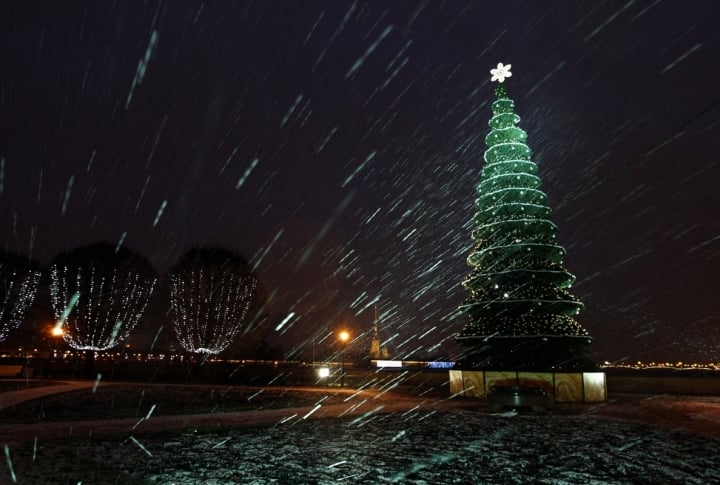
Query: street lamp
56	332
344	337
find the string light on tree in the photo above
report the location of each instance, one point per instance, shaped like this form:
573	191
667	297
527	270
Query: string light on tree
99	295
18	285
518	287
108	307
211	292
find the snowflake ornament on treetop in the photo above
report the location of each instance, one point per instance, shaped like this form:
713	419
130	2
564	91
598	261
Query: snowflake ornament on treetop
500	72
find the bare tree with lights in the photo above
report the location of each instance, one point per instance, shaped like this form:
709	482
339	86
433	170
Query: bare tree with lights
98	294
211	293
521	312
18	284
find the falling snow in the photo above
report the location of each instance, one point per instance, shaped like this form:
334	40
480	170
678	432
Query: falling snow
337	147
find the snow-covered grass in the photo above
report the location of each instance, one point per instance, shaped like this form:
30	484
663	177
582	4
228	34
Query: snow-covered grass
138	400
435	447
422	440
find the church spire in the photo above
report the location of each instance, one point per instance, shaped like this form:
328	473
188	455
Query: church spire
377	351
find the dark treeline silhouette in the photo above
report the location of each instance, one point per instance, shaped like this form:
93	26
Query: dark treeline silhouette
107	297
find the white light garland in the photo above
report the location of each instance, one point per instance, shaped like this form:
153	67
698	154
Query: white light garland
98	309
19	288
209	306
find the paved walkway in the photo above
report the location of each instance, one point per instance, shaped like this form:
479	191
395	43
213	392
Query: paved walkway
11	398
700	415
357	403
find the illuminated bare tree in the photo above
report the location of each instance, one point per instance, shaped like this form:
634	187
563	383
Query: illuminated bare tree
211	293
99	293
18	285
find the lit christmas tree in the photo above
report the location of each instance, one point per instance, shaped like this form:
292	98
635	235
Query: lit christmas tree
98	295
211	291
522	315
18	285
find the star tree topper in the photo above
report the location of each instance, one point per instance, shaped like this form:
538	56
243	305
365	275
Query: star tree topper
500	72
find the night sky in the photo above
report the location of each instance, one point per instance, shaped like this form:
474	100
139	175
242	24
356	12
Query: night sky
336	145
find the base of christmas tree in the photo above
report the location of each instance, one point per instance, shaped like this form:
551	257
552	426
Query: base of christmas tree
527	353
564	386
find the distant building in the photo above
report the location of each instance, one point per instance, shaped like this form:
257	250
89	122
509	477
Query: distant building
377	351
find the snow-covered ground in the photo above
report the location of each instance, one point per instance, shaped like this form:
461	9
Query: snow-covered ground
442	447
433	446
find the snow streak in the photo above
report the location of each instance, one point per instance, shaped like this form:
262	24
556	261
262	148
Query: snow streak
142	66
